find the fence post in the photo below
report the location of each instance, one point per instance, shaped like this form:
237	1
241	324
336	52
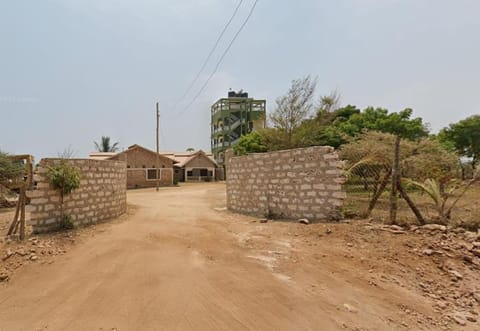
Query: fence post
377	194
395	180
411	204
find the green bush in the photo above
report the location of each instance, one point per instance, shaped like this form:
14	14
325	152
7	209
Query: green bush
66	223
250	143
9	169
65	178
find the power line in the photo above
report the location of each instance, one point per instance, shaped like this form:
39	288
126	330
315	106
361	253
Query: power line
210	54
252	9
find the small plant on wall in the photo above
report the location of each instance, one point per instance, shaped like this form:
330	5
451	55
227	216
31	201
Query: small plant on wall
65	178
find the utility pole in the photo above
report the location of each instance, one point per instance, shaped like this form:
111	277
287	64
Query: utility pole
158	148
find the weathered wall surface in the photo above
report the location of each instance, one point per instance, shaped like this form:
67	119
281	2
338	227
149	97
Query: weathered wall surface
138	178
200	161
139	162
298	183
102	194
141	158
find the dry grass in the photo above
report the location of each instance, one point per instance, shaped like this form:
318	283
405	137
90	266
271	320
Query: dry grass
465	214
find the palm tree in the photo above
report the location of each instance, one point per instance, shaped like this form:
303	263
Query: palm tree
104	145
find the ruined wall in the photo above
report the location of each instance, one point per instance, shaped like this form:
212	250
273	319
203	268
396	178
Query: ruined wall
297	183
102	194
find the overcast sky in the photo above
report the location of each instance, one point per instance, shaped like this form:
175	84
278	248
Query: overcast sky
74	70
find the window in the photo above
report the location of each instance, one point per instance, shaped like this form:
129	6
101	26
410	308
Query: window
152	174
204	172
190	173
210	173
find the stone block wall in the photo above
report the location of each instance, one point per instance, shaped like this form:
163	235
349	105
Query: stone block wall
102	194
290	184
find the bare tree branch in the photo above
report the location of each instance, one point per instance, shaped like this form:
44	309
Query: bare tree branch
294	107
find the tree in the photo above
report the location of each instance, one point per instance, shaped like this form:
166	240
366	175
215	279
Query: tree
369	159
68	153
420	160
323	129
10	169
65	178
250	143
402	125
329	103
190	149
337	127
104	145
464	138
429	159
379	119
294	107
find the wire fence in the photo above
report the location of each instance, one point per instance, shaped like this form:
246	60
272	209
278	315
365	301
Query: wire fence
422	187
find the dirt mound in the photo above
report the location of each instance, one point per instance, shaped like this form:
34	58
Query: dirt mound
15	255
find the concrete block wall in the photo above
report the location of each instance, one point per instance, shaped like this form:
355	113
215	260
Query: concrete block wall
290	184
102	194
137	178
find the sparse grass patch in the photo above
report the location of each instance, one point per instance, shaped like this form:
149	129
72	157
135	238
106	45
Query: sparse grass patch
466	213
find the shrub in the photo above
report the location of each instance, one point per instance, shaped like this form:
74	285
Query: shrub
66	223
65	178
440	196
429	159
9	169
250	143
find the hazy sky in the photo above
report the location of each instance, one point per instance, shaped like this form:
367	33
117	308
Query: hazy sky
74	70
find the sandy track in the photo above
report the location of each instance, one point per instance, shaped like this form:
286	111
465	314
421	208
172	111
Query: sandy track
181	262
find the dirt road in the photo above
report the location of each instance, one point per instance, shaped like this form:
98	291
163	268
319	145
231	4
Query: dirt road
180	261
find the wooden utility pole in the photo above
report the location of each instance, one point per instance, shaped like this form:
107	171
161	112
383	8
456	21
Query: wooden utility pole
157	170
